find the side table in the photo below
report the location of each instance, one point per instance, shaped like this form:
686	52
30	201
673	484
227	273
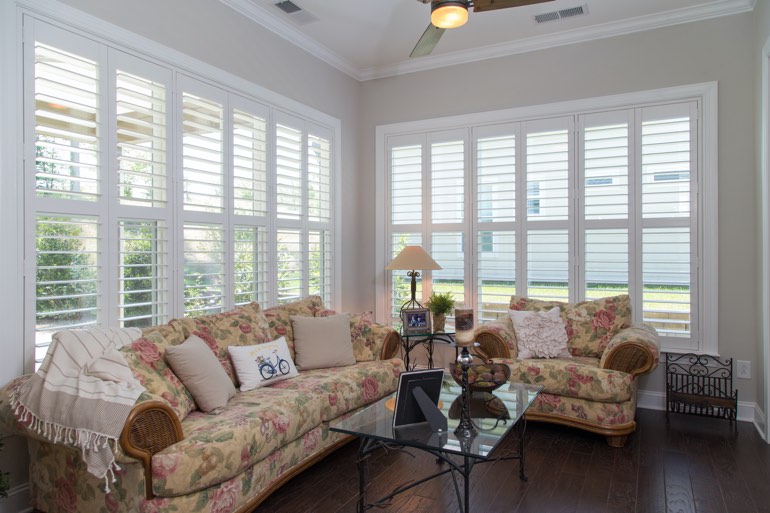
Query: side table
427	339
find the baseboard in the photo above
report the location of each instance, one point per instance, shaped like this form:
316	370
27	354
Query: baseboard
17	501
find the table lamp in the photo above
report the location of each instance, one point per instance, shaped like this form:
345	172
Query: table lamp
410	259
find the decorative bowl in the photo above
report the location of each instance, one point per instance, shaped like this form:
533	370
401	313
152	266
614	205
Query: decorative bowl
482	377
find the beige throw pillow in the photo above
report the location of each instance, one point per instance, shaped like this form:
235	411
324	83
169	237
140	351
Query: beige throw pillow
201	373
322	342
540	334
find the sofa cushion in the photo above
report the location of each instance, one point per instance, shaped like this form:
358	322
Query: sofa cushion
576	377
201	373
279	317
591	412
145	356
590	324
539	334
344	389
262	364
254	425
322	342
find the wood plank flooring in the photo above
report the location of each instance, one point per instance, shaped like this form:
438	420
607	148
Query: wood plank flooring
679	464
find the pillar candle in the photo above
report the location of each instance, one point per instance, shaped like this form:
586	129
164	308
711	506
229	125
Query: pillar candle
463	326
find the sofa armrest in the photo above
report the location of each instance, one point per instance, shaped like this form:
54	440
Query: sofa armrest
388	340
635	350
496	339
151	427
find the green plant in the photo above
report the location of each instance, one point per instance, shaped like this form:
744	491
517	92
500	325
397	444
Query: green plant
441	303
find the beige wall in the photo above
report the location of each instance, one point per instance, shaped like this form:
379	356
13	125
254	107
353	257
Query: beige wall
716	50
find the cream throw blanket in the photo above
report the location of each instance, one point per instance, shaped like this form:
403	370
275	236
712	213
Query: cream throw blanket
82	394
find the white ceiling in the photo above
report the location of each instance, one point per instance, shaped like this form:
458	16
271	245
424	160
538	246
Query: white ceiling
370	39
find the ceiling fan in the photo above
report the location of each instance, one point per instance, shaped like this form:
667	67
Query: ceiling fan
454	13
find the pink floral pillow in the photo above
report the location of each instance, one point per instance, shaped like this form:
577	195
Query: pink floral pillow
540	334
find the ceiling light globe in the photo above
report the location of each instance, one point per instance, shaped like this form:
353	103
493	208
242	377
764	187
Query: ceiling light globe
449	15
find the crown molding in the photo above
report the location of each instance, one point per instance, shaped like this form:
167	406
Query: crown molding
272	22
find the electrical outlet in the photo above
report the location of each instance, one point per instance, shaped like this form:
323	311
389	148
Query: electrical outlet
744	369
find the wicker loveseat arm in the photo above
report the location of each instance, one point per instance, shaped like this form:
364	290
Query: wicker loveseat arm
635	350
496	339
391	344
151	427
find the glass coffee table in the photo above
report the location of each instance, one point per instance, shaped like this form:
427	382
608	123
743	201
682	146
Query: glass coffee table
494	415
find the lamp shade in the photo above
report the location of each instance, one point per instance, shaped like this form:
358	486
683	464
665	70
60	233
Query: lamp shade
449	14
411	258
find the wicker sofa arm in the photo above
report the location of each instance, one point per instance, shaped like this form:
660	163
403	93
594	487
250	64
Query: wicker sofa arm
496	339
391	344
635	350
151	427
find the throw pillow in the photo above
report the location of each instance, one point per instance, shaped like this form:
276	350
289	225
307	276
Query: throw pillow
262	364
540	334
201	373
322	342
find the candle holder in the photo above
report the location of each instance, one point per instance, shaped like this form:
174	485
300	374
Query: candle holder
465	429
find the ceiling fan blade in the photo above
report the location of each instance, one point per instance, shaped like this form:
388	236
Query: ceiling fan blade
427	42
491	5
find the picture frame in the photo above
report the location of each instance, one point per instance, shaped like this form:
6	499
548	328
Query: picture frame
415	320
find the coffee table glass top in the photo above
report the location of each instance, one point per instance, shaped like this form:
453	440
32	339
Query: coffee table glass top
494	414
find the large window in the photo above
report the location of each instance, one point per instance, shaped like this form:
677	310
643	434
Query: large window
574	204
156	194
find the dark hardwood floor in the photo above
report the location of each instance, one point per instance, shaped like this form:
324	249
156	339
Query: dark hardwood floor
685	464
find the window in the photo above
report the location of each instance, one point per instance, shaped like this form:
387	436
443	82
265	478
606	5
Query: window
156	194
581	205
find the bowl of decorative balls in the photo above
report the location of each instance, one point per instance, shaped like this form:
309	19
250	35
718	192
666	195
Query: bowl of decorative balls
482	377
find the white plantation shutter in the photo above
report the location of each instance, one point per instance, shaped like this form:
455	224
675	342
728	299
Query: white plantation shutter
406	184
606	262
203	154
666	275
67	276
143	281
548	254
665	165
249	164
605	161
289	160
496	179
142	140
547	174
67	125
447	181
447	249
319	179
204	269
251	272
496	272
290	265
321	270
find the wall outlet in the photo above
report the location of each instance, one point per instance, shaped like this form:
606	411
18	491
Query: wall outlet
744	369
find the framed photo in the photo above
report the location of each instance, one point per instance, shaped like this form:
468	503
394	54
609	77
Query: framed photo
415	320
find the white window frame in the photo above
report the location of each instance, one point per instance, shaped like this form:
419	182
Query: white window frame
12	158
704	193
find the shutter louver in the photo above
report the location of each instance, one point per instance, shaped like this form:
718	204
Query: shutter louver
320	279
406	185
447	251
251	264
143	279
67	276
606	262
290	265
547	175
666	168
249	164
288	172
496	179
319	179
666	276
606	172
67	126
496	273
203	155
447	182
548	265
142	146
204	269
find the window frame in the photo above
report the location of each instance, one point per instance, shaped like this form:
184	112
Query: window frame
704	337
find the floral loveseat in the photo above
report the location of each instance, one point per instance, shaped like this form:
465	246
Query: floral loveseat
173	457
594	386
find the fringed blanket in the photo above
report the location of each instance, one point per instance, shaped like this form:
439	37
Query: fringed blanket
82	394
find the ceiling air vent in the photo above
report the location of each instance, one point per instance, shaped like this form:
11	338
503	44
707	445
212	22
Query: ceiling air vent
561	14
296	13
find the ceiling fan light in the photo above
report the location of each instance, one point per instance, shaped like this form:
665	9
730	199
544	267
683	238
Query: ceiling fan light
449	15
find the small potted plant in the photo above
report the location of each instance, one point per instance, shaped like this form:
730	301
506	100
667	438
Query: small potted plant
440	304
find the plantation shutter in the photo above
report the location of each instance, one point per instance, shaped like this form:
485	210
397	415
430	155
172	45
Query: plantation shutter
249	164
143	279
289	159
251	272
203	154
495	217
204	269
290	265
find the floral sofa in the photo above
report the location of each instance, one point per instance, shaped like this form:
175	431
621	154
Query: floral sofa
174	458
593	386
